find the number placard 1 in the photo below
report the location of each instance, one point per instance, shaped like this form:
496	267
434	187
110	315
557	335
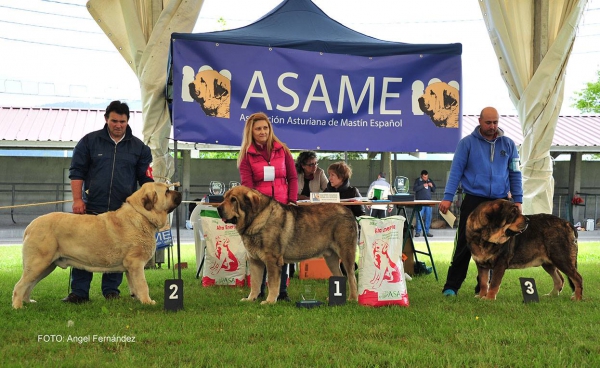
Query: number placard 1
530	293
173	295
337	290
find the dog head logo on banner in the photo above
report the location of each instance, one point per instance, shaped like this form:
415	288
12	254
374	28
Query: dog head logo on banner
209	88
441	102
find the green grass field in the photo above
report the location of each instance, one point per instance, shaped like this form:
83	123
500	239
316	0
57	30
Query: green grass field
216	330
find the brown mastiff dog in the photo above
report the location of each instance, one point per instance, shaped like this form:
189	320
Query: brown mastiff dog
274	234
500	237
116	241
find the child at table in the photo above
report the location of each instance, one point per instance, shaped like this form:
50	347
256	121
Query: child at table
339	181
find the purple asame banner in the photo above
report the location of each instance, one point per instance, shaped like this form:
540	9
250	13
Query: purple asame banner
317	101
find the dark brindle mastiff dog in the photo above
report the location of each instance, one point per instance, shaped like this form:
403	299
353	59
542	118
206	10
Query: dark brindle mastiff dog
500	237
274	234
115	241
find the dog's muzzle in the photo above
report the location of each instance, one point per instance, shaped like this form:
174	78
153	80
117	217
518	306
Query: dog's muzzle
226	220
232	220
509	232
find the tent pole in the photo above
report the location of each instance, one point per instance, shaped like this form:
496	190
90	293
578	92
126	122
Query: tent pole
175	174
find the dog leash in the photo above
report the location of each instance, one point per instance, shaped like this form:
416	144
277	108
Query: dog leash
29	205
34	204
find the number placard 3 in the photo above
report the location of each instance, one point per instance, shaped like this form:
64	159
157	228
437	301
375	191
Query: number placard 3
529	290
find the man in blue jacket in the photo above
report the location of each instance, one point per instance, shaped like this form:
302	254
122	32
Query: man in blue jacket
486	164
106	168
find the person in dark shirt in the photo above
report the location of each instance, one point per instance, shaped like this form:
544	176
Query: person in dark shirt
423	188
339	181
106	168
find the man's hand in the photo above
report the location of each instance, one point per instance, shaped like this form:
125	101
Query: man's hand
78	206
444	206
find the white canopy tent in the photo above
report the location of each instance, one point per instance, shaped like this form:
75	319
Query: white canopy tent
533	41
141	31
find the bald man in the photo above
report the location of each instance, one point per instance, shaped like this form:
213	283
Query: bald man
486	165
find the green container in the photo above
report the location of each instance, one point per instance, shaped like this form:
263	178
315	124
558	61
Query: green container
377	193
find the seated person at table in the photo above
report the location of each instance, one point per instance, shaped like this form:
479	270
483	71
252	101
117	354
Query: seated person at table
311	178
339	181
380	211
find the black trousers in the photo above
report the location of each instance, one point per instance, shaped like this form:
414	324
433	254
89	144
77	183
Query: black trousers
462	254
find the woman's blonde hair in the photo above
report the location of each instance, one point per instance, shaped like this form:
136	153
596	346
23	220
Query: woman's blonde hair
248	140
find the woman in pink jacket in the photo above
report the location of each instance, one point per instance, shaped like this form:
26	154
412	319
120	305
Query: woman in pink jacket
267	165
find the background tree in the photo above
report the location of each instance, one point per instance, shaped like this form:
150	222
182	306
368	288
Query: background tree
588	99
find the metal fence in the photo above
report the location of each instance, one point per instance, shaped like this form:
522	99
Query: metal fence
22	202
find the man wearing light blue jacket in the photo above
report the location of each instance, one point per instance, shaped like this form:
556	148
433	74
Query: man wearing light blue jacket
486	164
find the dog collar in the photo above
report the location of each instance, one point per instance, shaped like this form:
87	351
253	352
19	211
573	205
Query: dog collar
526	226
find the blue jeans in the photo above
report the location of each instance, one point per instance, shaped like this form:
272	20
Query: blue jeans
81	280
426	216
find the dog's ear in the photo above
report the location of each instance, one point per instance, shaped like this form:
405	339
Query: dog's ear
253	197
220	89
449	99
149	200
193	93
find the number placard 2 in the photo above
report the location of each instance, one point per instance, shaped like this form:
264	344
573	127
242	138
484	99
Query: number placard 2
173	295
337	290
530	293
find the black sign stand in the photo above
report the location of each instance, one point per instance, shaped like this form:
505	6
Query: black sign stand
173	295
337	290
530	293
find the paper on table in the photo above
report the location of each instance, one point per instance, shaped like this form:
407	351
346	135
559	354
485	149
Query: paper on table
449	217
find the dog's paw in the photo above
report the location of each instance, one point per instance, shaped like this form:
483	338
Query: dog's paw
268	302
247	300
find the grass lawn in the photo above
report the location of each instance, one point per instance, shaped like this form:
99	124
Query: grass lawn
215	329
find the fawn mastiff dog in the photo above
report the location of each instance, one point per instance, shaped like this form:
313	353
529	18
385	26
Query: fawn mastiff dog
115	241
274	234
500	237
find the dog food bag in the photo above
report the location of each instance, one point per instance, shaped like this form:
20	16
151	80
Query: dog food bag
225	255
381	278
